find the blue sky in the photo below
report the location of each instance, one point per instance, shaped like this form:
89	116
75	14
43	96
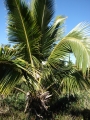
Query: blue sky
76	11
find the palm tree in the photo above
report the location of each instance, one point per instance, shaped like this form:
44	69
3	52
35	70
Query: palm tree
40	51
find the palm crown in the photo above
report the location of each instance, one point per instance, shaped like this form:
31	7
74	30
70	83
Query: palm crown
36	40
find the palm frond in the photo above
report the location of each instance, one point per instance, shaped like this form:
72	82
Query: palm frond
73	85
9	79
22	29
13	68
6	52
42	11
73	43
53	34
57	28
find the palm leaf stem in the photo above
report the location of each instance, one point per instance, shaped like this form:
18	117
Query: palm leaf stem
20	90
27	40
25	33
43	15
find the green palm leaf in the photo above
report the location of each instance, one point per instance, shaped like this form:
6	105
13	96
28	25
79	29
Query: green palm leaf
74	43
12	69
74	84
9	73
54	33
9	79
22	29
42	12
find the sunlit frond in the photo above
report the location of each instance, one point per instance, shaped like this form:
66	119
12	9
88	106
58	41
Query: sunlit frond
73	43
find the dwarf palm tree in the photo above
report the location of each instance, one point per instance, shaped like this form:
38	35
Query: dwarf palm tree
41	48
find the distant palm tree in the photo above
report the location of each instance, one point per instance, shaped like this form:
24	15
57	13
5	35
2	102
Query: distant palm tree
40	51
